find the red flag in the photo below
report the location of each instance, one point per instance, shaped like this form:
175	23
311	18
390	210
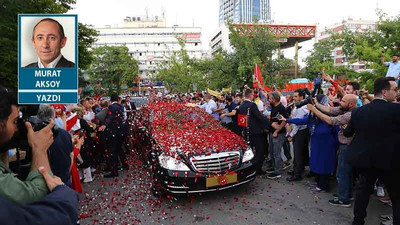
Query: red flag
257	77
242	120
71	121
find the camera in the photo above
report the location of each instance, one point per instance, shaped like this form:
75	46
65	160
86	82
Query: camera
20	138
307	100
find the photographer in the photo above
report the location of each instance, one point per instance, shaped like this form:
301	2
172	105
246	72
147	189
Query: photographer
323	145
340	116
34	187
299	135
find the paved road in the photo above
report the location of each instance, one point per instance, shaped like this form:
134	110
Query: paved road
128	200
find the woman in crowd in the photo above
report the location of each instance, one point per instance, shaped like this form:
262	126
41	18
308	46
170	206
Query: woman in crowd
323	146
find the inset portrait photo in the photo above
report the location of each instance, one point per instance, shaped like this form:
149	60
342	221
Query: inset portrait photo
48	41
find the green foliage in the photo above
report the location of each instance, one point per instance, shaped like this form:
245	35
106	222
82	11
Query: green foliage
364	46
87	37
251	46
9	10
321	56
182	72
112	66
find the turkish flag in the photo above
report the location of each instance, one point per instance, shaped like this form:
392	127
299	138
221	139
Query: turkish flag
242	120
257	77
71	121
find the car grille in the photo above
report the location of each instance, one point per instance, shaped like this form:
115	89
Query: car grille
216	162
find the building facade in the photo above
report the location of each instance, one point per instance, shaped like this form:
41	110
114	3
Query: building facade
150	44
244	11
352	25
219	40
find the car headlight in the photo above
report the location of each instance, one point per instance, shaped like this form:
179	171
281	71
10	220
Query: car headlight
248	154
171	163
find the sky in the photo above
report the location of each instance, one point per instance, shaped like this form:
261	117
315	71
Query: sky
204	13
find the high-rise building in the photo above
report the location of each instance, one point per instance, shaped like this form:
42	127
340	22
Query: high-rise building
244	11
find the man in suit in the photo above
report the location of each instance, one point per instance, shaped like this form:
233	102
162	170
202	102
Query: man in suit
113	132
256	124
374	151
130	107
48	38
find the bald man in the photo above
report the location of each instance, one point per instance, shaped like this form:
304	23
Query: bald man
48	39
339	116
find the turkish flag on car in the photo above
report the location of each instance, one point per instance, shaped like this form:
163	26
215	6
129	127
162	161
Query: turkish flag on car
242	120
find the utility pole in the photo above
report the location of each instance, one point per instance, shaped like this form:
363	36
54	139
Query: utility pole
296	59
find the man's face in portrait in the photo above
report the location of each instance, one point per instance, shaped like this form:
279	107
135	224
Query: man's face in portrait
47	41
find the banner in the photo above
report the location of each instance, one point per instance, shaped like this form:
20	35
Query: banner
227	90
213	93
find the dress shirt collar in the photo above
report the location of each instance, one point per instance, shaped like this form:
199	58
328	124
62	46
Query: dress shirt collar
50	65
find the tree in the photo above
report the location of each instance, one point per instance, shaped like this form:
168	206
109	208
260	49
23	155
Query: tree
9	10
252	45
86	38
181	72
321	56
112	66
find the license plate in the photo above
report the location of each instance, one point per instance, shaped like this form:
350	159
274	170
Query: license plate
214	180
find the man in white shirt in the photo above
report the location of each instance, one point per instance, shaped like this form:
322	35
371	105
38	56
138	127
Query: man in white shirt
299	135
394	66
210	106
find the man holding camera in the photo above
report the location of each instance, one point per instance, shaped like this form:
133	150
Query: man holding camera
34	187
60	206
339	116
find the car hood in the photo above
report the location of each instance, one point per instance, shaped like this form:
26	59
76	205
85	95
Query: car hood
176	127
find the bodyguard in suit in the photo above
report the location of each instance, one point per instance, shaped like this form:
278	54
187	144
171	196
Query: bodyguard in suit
113	133
374	151
256	124
48	38
129	105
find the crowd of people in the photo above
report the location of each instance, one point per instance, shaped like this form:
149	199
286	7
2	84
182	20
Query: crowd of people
76	140
347	133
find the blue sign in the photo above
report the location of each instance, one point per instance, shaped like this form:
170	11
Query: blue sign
48	59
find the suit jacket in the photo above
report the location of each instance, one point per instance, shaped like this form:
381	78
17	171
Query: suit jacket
59	158
59	207
63	63
132	106
256	121
377	131
114	121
